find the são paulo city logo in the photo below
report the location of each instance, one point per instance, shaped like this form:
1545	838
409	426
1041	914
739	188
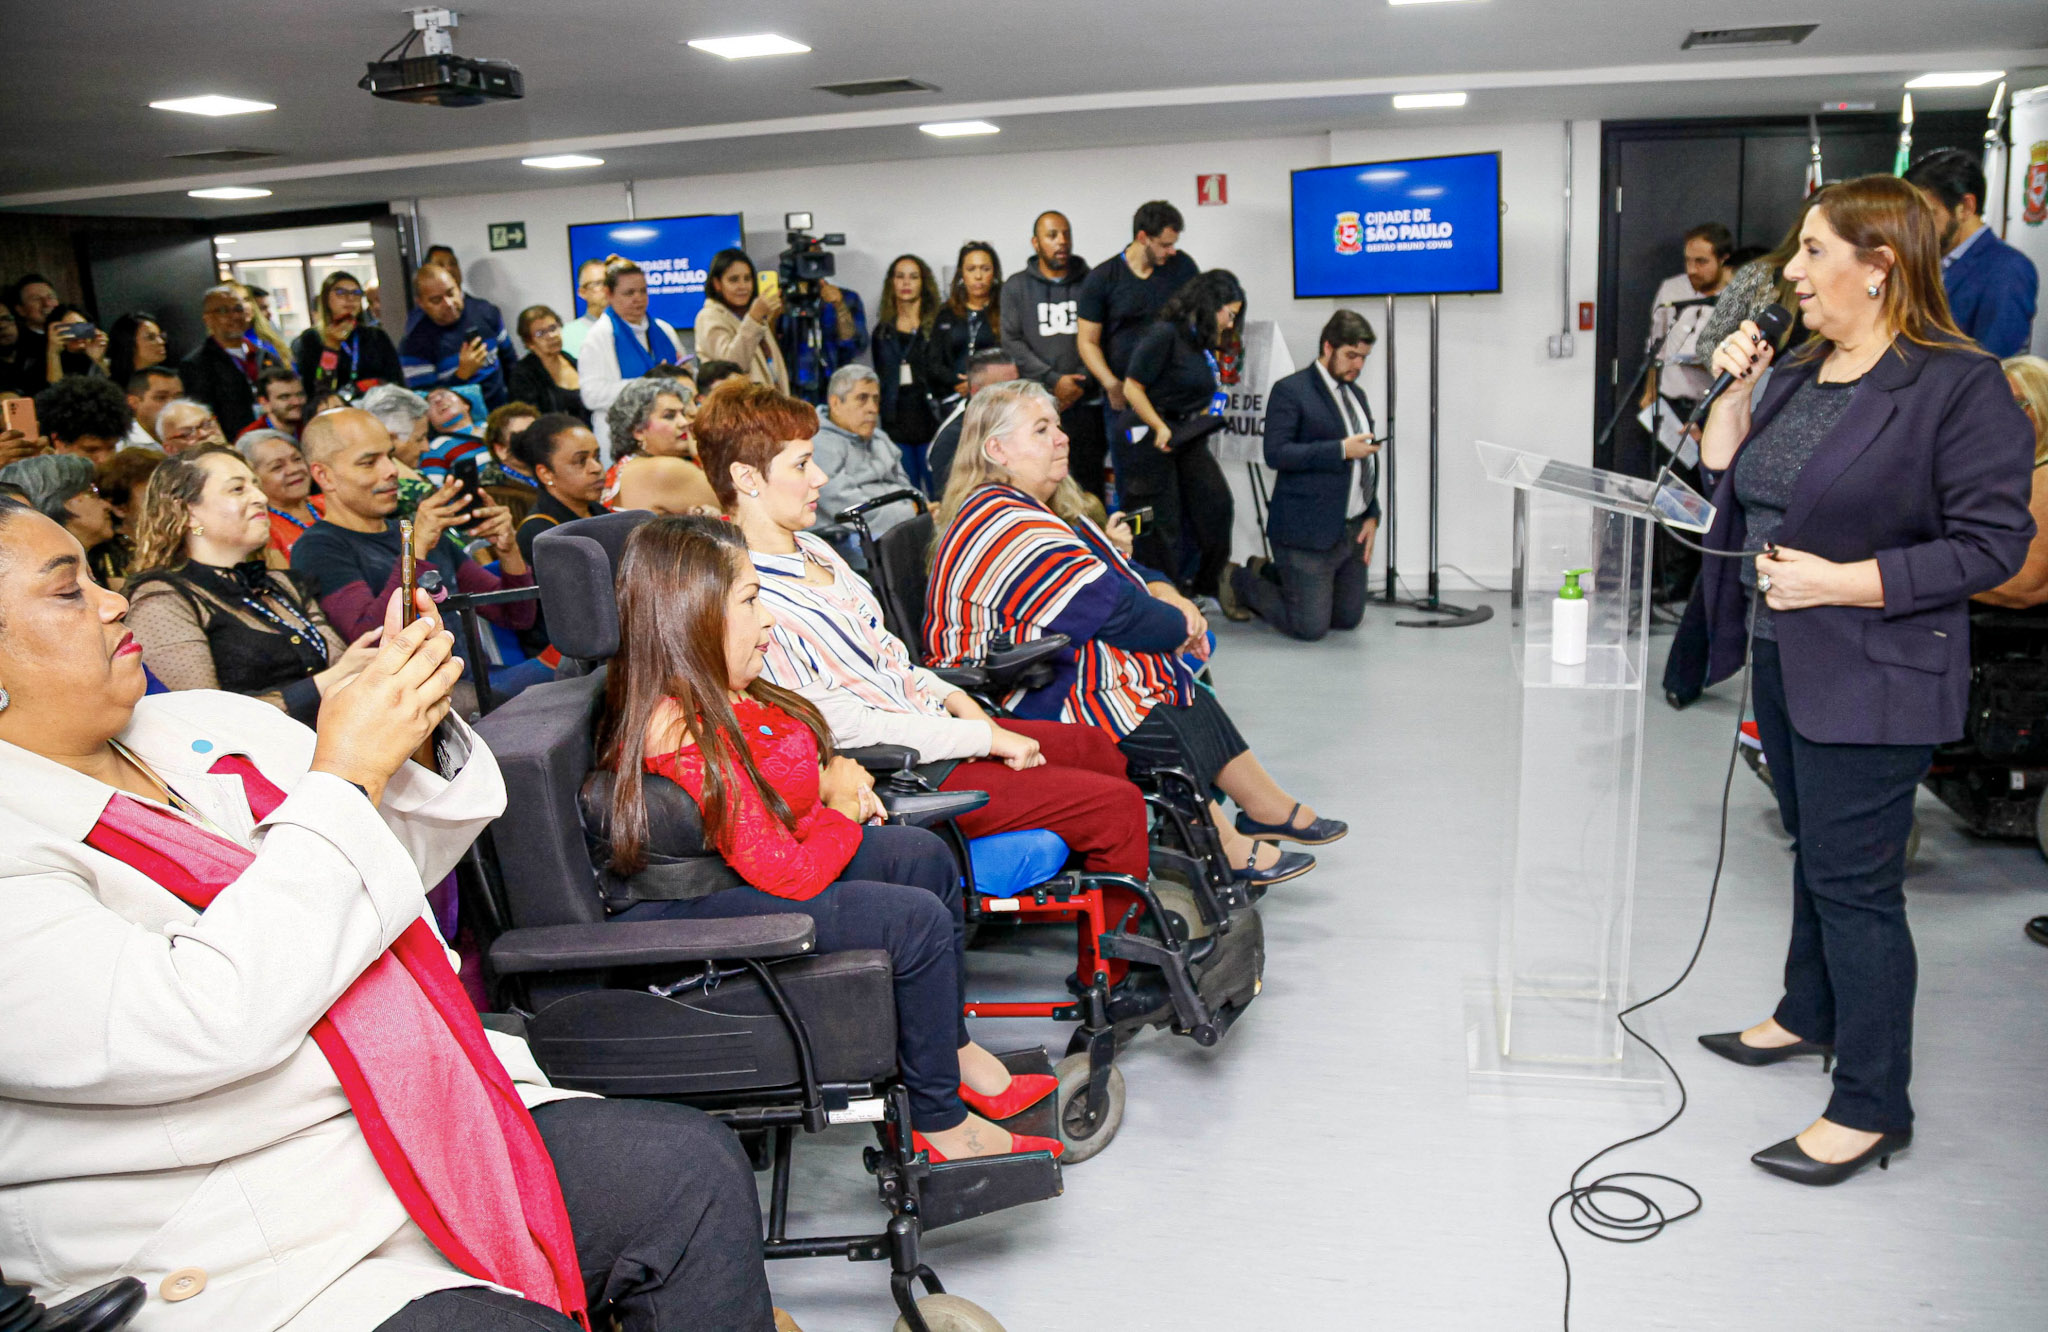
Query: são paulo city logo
1350	234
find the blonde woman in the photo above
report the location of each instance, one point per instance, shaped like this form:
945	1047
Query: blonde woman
2027	377
208	612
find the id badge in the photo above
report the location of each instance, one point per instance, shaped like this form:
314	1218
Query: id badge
1219	402
903	376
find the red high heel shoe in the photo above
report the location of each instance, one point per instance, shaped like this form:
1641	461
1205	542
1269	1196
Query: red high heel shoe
1025	1090
1019	1142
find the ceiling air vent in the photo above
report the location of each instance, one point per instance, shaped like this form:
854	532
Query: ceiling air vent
877	87
1785	34
222	155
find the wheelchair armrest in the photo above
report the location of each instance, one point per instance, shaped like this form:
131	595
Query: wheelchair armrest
922	811
883	759
638	943
1010	667
973	679
866	507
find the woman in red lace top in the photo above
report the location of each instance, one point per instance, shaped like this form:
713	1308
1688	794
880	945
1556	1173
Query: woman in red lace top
684	701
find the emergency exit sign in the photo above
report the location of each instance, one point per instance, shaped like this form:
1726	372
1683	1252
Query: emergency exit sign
508	235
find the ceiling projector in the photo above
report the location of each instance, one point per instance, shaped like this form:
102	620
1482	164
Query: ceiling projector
437	76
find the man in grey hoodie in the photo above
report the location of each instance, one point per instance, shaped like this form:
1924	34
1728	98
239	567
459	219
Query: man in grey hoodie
1039	324
858	458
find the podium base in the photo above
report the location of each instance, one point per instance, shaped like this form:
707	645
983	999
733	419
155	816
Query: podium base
1575	1032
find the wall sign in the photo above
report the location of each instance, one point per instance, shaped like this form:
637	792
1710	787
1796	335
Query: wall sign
1212	189
508	235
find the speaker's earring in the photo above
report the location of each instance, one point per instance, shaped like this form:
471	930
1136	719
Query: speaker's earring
754	494
198	531
1873	290
4	700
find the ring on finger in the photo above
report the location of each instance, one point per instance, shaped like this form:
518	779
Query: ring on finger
1763	582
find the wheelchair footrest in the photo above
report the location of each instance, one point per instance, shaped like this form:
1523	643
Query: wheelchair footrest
962	1190
1041	1120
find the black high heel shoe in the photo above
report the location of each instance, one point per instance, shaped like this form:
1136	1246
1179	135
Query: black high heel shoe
1729	1045
1788	1160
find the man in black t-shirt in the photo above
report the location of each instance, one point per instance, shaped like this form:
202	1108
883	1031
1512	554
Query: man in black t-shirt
1119	298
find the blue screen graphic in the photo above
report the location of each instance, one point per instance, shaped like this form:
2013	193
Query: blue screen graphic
1429	224
675	251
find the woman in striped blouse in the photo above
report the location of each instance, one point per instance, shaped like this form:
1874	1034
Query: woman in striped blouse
830	647
1016	556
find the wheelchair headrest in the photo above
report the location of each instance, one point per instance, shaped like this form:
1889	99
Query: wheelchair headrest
542	740
900	552
574	564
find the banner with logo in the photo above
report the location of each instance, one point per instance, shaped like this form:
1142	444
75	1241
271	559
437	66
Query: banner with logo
2026	206
1247	378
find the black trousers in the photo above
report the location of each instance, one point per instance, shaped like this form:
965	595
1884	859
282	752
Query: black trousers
1087	447
1307	593
1850	973
1191	507
900	893
668	1228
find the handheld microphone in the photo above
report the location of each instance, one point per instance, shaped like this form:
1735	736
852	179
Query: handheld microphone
1771	322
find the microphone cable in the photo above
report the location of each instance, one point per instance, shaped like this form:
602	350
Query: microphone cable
1593	1204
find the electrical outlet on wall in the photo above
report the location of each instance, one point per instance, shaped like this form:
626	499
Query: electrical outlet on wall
1560	346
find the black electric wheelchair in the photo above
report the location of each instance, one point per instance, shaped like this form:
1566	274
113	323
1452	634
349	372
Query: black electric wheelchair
740	1018
1993	778
1148	954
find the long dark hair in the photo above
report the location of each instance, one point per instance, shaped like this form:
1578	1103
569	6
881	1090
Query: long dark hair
672	586
928	299
721	261
957	299
121	347
1198	302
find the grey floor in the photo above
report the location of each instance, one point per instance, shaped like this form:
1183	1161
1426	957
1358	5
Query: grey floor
1327	1165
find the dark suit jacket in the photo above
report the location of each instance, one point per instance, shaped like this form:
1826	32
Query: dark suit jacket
1928	472
213	377
1305	432
1992	288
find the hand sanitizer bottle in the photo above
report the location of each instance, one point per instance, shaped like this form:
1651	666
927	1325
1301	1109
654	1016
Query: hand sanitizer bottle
1568	621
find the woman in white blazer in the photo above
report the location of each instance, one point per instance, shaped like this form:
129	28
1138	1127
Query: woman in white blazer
737	324
173	1105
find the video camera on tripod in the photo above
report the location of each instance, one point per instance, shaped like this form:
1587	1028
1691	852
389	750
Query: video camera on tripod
805	264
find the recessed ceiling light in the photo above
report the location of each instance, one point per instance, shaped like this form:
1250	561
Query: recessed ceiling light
1420	2
746	48
362	244
213	104
561	161
1424	101
229	192
350	254
955	129
1969	78
225	240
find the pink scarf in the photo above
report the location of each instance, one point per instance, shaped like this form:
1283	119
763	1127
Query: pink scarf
441	1116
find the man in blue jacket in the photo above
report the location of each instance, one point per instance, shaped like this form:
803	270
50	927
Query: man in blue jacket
1325	509
1991	286
452	341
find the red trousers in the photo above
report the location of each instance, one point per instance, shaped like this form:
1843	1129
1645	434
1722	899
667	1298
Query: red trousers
1081	792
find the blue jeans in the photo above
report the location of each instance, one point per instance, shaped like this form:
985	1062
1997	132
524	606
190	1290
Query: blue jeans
1851	972
900	893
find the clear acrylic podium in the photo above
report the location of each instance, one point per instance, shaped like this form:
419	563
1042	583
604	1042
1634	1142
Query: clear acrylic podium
1546	1019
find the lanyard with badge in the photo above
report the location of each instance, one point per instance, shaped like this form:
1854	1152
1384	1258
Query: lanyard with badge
1219	401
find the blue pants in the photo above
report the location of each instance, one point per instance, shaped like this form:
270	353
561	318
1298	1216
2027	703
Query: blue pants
1851	971
900	893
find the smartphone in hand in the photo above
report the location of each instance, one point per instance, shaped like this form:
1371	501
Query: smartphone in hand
20	414
1138	519
408	576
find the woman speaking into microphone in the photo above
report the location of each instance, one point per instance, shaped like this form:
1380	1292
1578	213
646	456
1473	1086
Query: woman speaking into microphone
1878	483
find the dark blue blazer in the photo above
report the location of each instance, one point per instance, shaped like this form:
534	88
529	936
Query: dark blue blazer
1928	472
1991	292
1305	433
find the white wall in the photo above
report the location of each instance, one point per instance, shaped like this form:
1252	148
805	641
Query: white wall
1497	383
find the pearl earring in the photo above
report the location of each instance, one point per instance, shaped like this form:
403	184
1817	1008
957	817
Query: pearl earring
754	494
4	700
1872	290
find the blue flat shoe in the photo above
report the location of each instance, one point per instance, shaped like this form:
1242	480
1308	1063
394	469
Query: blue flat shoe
1319	833
1290	865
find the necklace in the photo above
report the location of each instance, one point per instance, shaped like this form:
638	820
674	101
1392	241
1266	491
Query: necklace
171	798
291	519
300	629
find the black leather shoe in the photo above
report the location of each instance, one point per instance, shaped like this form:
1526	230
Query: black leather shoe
1315	834
1729	1045
2037	930
1290	865
1788	1161
1679	702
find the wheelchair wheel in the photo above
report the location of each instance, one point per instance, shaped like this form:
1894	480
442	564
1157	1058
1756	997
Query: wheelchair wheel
1082	1138
950	1313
